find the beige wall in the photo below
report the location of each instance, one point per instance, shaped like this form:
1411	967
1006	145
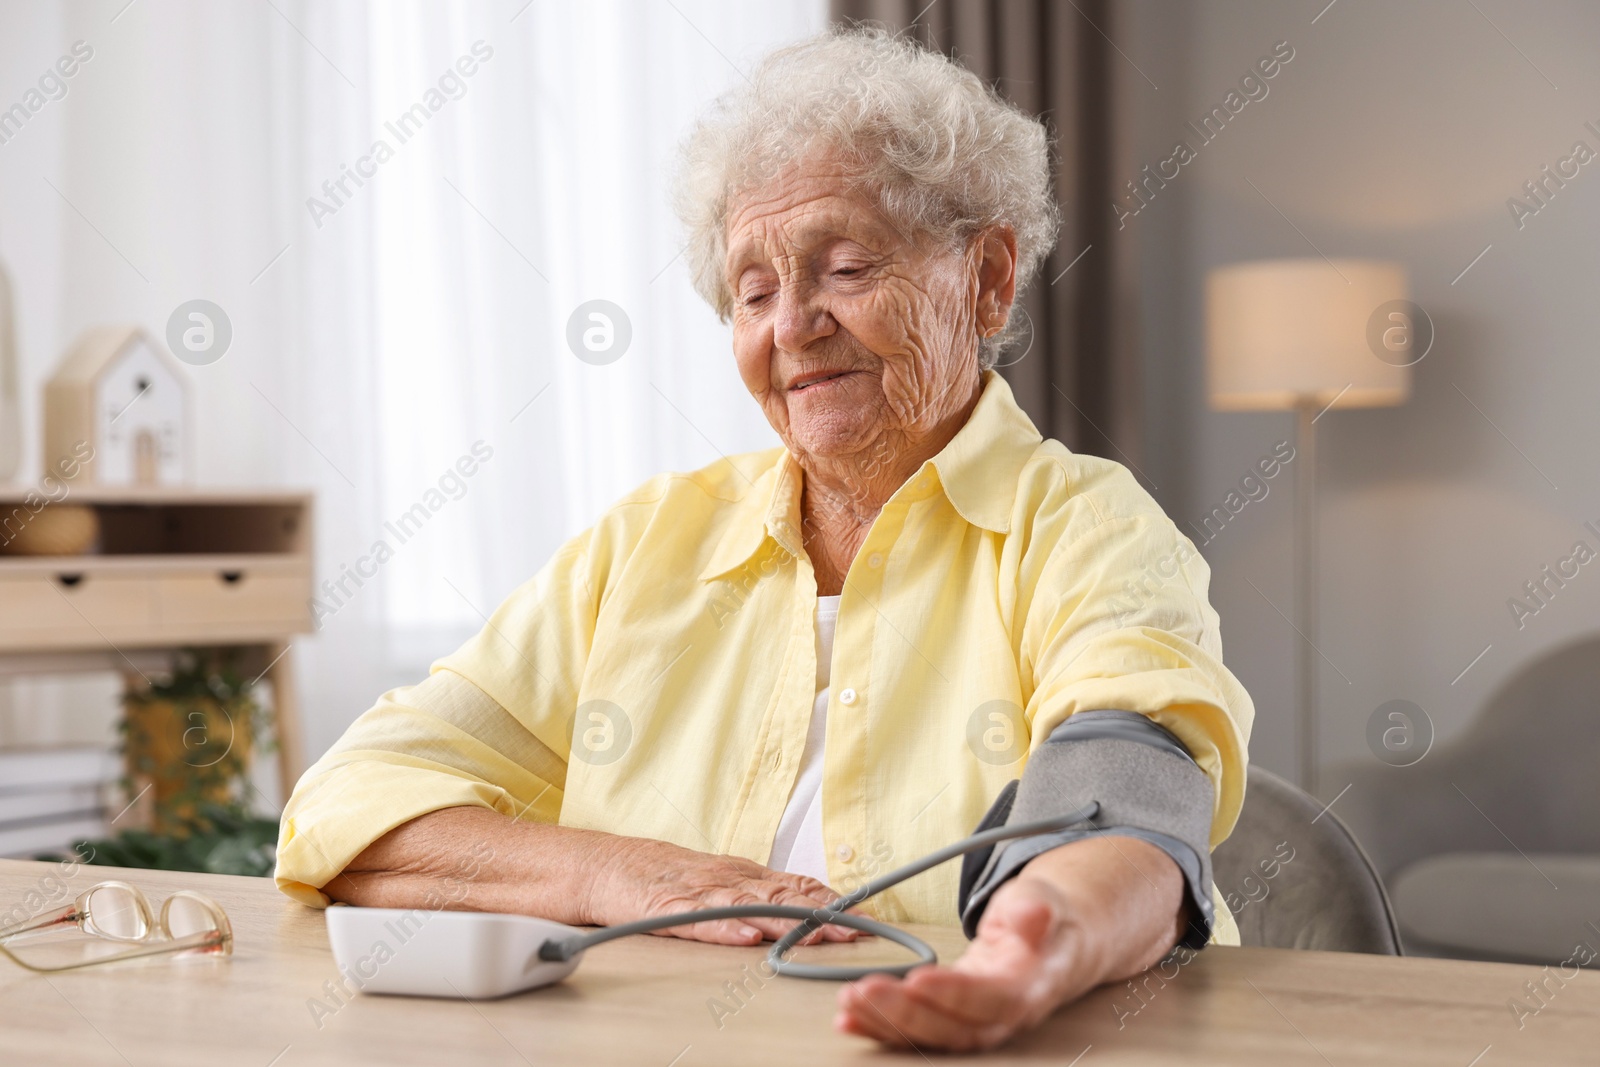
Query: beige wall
1398	131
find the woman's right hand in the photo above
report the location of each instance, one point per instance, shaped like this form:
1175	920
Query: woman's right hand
476	859
640	878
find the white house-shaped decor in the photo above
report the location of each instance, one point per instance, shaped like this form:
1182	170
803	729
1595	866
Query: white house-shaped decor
120	395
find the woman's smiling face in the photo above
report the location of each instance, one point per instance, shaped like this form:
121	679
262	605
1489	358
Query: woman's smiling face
847	331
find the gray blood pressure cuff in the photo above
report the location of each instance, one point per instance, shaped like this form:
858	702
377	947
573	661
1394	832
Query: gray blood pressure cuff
1131	778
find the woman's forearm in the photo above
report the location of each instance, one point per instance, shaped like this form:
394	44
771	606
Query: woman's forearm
1122	908
475	859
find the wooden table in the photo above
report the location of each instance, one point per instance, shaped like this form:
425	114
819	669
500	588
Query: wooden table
646	1001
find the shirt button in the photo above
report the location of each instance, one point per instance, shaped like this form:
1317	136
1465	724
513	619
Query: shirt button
845	853
875	560
847	697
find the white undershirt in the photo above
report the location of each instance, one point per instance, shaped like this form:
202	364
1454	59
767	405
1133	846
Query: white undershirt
798	846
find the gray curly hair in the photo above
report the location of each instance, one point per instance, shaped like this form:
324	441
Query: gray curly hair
943	155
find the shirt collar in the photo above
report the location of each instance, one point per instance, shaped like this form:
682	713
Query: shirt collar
981	465
978	471
769	511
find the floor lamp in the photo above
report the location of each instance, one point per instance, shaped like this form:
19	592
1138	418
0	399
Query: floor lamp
1308	336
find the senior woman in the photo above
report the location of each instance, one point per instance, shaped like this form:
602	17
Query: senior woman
794	669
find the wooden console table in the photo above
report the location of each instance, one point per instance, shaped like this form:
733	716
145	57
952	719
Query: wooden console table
175	568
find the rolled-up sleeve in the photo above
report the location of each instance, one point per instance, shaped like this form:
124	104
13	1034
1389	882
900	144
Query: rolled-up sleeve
489	727
1120	620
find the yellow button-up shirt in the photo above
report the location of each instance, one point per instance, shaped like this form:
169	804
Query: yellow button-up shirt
657	677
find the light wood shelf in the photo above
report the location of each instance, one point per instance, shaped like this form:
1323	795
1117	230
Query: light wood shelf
172	568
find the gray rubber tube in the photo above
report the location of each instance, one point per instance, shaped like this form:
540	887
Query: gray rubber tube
834	913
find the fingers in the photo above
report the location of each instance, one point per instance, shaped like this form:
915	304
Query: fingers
858	1014
885	1010
770	928
693	881
751	931
1010	978
745	931
748	930
803	884
802	900
975	999
777	887
717	932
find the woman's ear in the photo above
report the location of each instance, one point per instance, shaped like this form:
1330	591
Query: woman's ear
995	250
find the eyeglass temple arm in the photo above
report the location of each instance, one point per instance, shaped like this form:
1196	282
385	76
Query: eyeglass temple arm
157	948
59	917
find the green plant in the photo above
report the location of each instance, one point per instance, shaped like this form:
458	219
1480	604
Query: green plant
192	735
219	839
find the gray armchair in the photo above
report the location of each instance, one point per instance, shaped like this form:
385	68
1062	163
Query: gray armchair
1491	845
1295	877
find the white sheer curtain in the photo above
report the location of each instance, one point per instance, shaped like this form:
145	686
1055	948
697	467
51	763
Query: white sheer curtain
378	342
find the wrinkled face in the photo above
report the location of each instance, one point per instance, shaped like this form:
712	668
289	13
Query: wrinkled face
846	331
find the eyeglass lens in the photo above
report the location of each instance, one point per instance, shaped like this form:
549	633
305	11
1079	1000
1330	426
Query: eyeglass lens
187	916
117	912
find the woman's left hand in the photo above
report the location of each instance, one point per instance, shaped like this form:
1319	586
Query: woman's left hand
1093	911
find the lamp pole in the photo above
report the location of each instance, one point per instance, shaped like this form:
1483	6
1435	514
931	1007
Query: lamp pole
1284	334
1305	599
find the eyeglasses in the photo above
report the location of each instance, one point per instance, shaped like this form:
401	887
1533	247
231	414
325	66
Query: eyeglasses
117	911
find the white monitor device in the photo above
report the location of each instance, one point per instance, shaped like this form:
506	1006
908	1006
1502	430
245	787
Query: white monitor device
474	955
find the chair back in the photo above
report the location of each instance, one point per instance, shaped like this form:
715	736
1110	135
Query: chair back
1295	877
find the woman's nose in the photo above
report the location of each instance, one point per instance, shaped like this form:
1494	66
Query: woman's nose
801	319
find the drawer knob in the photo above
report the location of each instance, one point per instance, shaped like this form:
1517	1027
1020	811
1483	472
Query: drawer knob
69	580
232	577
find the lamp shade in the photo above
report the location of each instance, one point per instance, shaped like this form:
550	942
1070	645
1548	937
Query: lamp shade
1288	332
